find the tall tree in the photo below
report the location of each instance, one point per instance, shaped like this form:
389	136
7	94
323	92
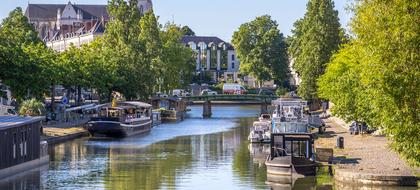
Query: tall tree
262	50
187	31
376	78
28	63
178	59
315	38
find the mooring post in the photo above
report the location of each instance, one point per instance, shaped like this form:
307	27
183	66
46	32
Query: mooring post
207	109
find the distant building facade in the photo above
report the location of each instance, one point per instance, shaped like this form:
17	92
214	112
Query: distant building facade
215	57
63	25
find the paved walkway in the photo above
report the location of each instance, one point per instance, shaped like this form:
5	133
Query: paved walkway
363	153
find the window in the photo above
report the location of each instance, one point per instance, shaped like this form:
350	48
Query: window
233	65
224	60
25	143
213	57
21	145
14	144
233	57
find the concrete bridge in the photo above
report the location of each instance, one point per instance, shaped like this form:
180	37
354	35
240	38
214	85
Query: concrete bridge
206	99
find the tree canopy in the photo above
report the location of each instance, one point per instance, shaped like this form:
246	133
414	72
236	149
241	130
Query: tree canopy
27	64
187	31
314	39
262	50
375	78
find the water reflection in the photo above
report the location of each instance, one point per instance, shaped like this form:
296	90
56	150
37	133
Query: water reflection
26	180
194	154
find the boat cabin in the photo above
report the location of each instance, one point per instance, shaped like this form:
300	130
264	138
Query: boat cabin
171	109
174	104
291	144
20	145
125	111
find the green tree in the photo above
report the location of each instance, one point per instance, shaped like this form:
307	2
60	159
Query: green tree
187	31
376	78
178	60
315	38
125	51
29	64
262	50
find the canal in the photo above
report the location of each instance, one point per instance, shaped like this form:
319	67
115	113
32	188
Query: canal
194	154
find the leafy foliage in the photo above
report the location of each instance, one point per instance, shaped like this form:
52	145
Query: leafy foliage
376	77
262	50
315	38
27	64
31	107
187	31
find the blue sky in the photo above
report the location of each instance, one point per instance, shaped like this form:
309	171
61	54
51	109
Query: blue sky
212	17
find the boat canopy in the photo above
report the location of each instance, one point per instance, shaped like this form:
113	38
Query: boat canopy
84	107
138	104
290	127
261	123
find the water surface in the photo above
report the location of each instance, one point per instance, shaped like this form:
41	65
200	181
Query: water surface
194	154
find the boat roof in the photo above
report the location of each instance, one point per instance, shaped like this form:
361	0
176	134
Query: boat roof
84	107
261	123
7	122
289	101
136	103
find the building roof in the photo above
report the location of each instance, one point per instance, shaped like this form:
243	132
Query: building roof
7	122
43	11
49	11
205	39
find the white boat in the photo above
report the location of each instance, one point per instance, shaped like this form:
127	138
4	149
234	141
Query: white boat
265	118
260	132
291	148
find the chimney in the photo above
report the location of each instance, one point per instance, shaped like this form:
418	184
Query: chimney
58	18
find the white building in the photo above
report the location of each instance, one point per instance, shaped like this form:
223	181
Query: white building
63	25
215	57
294	79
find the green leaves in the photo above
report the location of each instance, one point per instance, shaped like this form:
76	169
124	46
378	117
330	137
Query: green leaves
376	77
262	50
27	65
315	38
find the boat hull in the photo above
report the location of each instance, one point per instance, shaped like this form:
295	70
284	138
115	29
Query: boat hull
117	129
280	169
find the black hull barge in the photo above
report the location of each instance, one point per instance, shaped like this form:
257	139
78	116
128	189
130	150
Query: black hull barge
121	120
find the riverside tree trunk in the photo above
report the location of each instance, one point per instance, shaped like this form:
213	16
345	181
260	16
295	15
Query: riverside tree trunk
79	95
52	98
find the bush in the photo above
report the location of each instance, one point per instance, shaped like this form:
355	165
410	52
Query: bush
281	91
32	107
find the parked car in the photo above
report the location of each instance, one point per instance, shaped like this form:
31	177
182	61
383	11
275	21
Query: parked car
232	88
161	95
7	110
208	92
180	92
265	92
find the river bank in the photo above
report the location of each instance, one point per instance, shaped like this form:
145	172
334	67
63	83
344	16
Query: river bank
365	159
55	135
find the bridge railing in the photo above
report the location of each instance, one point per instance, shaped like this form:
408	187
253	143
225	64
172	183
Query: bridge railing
253	97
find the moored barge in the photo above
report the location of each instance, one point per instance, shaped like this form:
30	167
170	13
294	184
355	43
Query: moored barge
291	147
121	119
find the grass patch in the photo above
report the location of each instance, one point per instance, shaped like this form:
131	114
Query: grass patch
323	176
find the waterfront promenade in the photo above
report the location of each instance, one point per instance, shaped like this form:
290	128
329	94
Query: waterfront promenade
365	158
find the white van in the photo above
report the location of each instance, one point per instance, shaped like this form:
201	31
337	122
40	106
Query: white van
232	88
